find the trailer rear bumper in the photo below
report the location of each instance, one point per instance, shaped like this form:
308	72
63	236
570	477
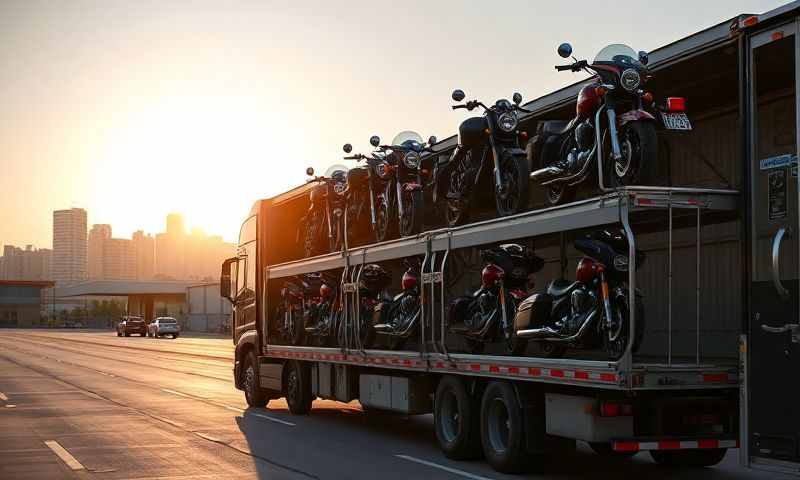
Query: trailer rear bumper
642	444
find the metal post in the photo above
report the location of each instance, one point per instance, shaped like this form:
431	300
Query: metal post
599	142
697	359
443	317
422	293
669	287
627	360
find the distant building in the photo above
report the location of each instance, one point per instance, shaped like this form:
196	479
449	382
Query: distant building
97	238
171	249
21	302
119	259
28	264
144	247
69	246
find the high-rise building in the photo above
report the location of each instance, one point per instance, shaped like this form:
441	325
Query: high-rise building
97	239
119	259
171	249
29	264
69	246
144	247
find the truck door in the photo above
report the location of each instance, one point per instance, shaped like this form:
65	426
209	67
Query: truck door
773	408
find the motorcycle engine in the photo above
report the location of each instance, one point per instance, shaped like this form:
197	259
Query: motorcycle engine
487	302
581	301
584	135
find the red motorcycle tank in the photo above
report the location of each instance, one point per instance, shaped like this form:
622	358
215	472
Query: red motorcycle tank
586	270
490	274
408	281
325	291
588	101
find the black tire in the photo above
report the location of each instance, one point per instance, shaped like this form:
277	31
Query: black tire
253	393
119	334
297	388
502	428
604	450
414	208
615	344
639	145
384	224
515	172
457	420
549	350
365	332
296	330
174	336
559	193
689	458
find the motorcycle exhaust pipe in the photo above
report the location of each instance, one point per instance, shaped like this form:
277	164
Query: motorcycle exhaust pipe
547	333
546	174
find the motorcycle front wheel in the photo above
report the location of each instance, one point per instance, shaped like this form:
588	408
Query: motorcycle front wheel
383	224
413	211
512	196
559	193
615	340
638	165
294	329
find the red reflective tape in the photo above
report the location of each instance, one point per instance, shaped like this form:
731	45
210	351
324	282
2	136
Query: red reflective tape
536	372
557	373
669	445
494	369
407	362
708	444
644	201
439	364
475	367
513	370
608	377
626	446
715	377
581	375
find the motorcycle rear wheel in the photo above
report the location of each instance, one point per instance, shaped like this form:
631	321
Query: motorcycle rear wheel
515	173
294	334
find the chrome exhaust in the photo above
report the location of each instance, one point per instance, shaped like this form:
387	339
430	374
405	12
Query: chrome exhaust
547	333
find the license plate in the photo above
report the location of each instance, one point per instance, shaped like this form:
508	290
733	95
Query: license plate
676	121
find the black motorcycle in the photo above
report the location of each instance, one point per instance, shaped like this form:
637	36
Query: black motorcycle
290	316
397	319
488	314
366	203
372	283
322	227
610	114
322	309
486	145
593	310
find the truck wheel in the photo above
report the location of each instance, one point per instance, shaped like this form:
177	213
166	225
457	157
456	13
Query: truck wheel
457	420
119	334
502	434
297	388
689	458
252	390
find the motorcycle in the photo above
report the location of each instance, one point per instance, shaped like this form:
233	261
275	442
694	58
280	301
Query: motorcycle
564	150
397	319
593	310
495	138
325	216
290	316
322	312
371	286
362	183
487	315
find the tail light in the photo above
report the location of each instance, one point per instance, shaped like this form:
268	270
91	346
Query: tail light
523	136
676	104
613	409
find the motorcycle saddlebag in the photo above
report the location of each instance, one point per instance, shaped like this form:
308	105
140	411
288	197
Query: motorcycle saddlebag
533	312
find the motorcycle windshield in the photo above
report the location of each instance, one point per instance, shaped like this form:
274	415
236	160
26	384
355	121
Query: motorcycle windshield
408	139
619	54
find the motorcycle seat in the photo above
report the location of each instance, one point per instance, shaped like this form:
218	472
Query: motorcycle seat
557	127
560	287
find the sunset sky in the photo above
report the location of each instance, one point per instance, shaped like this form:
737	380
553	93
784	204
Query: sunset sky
136	109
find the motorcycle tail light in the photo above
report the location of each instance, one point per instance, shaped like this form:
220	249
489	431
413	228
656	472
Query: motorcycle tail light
523	136
676	104
610	409
647	98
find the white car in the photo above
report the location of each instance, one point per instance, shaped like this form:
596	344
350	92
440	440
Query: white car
162	326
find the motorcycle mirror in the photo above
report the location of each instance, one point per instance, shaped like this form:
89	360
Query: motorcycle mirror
431	140
458	95
564	50
517	98
374	140
310	171
644	58
347	148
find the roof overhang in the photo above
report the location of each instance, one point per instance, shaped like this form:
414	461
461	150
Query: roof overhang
122	288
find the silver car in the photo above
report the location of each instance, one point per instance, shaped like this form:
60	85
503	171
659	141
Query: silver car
162	326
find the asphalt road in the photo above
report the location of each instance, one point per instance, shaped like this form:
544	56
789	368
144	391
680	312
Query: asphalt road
78	404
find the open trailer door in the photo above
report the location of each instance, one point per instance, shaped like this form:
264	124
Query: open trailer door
772	420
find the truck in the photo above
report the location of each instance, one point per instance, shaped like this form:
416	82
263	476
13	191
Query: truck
720	287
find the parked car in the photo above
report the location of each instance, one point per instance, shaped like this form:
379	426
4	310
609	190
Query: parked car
131	324
163	326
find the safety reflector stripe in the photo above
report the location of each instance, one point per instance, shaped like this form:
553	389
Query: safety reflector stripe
632	446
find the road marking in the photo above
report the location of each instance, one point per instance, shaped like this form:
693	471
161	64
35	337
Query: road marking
176	393
64	455
272	419
171	422
3	397
91	395
10	406
209	437
443	467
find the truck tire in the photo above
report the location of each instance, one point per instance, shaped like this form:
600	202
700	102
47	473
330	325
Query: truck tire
457	420
253	393
297	388
502	428
689	458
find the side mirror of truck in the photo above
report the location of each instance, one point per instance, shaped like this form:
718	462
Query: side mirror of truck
227	281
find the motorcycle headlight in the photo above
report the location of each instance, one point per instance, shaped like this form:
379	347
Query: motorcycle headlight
630	79
412	160
508	121
621	263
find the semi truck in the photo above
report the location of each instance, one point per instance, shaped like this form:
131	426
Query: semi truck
715	368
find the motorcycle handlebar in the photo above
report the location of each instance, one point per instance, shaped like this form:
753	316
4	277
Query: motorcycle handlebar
456	107
563	68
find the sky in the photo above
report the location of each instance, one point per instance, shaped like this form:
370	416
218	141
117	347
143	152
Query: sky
135	109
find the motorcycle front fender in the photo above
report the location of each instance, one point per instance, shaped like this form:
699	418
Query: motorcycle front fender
634	116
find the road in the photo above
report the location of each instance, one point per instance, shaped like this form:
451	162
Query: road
81	404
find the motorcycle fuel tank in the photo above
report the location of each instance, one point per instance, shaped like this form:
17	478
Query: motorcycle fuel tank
586	270
471	132
588	101
408	281
490	274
